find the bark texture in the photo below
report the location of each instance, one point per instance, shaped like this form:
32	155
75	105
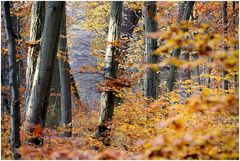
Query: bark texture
37	22
38	101
172	72
4	73
234	18
64	69
150	77
108	98
225	83
13	83
75	91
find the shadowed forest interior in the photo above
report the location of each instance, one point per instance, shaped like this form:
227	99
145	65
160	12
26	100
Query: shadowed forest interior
119	80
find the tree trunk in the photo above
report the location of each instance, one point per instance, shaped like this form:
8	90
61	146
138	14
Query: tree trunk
75	91
197	72
37	22
108	98
13	84
38	101
64	69
235	77
172	73
225	47
4	72
209	71
54	104
150	77
184	75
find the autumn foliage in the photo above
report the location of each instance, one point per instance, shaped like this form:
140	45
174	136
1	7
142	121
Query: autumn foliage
203	126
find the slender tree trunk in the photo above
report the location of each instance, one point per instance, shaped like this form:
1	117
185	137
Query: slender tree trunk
150	78
172	73
38	101
4	72
209	70
197	72
225	47
13	84
55	81
75	90
108	98
64	69
235	77
37	22
184	74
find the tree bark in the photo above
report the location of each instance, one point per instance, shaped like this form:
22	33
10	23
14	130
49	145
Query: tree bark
225	47
13	84
38	101
4	72
37	22
197	72
184	74
108	98
75	90
172	73
209	71
235	77
64	69
150	77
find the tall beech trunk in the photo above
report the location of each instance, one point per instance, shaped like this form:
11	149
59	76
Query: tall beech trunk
38	101
184	74
172	73
150	77
108	97
235	77
5	108
64	69
37	22
13	83
225	82
54	104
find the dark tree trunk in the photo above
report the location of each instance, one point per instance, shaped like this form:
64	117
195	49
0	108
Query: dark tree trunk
150	78
225	82
172	73
13	83
235	77
64	69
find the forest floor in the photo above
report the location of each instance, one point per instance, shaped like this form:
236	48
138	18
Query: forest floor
204	127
